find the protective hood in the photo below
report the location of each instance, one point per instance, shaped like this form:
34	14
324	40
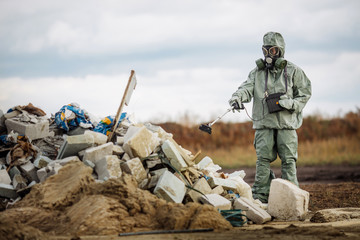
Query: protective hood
275	39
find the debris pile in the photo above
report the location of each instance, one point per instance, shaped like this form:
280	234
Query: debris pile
141	179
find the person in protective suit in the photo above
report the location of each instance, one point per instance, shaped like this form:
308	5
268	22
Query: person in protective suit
280	91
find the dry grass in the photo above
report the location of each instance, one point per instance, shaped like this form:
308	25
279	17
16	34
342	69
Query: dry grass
334	151
321	141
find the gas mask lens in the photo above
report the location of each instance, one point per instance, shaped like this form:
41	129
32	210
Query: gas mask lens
271	51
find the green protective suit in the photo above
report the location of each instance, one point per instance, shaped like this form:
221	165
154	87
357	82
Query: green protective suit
275	132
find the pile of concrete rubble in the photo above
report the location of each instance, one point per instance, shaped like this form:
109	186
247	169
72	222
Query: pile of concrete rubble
34	148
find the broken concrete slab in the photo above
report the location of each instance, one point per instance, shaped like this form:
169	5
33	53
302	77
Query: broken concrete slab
173	155
253	211
74	144
202	186
140	141
216	200
335	214
205	162
287	201
170	188
99	138
8	191
119	140
96	153
225	183
31	130
4	177
185	154
134	167
108	167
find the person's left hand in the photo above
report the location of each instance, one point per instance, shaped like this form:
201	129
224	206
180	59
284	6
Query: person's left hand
286	102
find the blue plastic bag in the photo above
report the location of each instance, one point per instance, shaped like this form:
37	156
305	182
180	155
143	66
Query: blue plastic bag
70	117
106	124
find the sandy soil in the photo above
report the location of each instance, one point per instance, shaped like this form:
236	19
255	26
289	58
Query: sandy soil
102	211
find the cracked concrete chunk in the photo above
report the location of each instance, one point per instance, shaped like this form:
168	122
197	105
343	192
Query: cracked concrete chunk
170	188
335	214
173	155
135	168
140	141
96	153
108	167
253	211
287	201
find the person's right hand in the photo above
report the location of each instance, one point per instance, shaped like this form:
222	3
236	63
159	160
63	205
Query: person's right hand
235	102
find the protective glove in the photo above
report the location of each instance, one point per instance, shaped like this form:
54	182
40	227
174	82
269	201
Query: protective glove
235	102
286	102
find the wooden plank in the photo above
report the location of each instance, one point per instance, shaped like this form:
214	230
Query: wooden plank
125	100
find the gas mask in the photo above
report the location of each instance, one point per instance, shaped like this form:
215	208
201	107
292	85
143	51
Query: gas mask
272	58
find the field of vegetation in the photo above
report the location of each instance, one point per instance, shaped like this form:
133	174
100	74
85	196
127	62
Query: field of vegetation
322	141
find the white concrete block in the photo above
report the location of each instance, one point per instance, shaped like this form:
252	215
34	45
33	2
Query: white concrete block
126	157
170	188
217	190
31	130
141	141
173	155
4	177
108	167
29	171
96	153
42	173
135	168
217	201
74	144
287	201
253	211
202	186
98	137
19	182
51	169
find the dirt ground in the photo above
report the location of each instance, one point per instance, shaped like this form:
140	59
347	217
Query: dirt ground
45	213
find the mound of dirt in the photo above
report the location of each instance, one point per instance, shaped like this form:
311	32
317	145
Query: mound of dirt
72	203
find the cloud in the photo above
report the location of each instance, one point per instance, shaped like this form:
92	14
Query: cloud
89	28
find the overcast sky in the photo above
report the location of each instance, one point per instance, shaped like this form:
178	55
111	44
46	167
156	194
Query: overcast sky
189	55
